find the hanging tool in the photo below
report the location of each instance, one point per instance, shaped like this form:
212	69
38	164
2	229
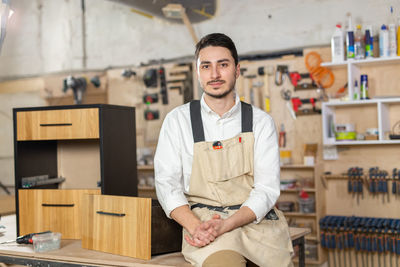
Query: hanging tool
280	74
150	78
163	86
394	183
25	239
296	77
78	87
297	103
266	72
287	95
282	136
150	98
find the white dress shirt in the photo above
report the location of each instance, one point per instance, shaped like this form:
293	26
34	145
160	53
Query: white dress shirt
174	155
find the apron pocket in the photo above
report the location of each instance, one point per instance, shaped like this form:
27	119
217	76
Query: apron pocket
228	162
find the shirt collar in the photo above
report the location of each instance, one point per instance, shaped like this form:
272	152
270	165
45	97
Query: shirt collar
232	111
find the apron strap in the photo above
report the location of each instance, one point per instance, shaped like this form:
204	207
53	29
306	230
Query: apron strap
197	123
247	118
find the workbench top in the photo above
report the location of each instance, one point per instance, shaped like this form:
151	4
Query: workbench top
71	251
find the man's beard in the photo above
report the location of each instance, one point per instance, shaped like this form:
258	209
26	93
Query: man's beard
221	95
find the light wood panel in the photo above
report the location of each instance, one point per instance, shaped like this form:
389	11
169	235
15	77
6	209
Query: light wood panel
66	219
127	232
58	124
79	163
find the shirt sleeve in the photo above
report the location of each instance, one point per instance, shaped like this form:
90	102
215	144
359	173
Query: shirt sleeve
266	188
168	166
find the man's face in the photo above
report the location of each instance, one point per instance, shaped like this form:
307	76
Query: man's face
216	71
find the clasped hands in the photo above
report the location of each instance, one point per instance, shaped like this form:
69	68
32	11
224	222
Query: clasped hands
207	231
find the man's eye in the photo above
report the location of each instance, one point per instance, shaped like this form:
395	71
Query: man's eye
224	65
204	67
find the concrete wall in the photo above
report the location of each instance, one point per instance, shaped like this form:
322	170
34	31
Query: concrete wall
46	35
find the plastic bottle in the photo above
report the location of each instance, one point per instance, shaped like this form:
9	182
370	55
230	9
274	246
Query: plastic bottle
356	95
369	44
383	42
398	37
359	43
392	40
349	39
392	35
337	44
364	87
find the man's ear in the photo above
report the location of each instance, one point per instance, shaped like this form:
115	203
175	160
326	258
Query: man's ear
237	70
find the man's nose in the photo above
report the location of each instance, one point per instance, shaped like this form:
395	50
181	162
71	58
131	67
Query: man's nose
215	74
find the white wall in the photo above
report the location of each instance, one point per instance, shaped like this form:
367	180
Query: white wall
45	35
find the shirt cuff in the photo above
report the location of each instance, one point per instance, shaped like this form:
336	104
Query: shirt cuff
260	208
172	203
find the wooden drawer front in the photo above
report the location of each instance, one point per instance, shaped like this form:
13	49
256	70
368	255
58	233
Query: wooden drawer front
118	225
54	210
58	124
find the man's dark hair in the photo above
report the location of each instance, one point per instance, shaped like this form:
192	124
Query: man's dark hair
217	39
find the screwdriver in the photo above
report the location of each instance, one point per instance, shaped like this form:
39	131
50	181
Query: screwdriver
25	239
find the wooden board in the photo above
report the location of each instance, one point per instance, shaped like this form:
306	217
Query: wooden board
38	211
79	163
7	205
124	227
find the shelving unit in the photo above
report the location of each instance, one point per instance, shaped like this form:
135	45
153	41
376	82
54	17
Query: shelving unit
379	109
310	173
371	113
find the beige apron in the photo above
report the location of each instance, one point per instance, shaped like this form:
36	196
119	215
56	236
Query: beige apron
223	176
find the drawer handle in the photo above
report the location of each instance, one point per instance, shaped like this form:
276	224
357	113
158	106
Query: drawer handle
55	124
57	205
111	213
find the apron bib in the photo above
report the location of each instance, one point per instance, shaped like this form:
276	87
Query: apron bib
222	175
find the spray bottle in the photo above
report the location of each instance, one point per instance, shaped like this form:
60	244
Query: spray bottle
359	47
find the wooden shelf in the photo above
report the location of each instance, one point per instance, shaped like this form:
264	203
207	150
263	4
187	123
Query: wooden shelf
360	62
146	188
297	166
335	176
308	261
296	190
299	214
145	167
311	237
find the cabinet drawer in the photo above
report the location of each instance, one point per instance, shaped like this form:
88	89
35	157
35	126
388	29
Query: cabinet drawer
55	210
58	124
118	225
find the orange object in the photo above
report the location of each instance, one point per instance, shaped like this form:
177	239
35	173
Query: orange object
321	75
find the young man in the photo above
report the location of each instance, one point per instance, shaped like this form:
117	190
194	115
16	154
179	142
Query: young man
217	170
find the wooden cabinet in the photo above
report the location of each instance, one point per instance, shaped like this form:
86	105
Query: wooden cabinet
91	146
309	179
52	210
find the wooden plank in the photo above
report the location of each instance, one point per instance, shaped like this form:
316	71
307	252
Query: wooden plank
7	205
22	85
118	225
34	217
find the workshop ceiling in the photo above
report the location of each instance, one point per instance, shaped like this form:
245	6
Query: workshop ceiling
196	10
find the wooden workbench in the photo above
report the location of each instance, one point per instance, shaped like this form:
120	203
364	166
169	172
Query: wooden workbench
71	252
